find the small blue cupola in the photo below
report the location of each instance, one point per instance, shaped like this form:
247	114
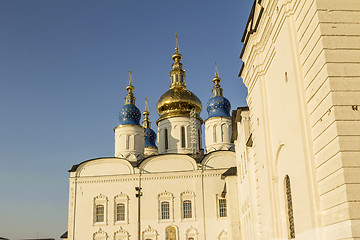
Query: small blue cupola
218	105
129	113
149	134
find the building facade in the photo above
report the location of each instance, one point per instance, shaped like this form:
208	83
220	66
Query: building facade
298	143
173	191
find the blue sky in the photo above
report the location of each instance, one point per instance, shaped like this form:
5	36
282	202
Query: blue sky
63	71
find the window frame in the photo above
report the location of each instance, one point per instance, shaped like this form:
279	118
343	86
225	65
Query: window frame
164	213
120	212
97	214
220	208
166	197
121	199
188	196
100	200
187	209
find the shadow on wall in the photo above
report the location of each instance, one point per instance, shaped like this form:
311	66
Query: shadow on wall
167	132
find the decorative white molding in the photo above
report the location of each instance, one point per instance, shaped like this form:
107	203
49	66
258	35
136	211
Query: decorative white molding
165	194
100	235
149	233
136	179
121	234
187	193
192	233
121	196
100	197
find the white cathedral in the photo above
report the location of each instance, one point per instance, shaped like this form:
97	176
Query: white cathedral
285	167
172	191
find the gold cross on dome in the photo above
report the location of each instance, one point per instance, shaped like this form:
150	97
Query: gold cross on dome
177	42
216	70
130	74
146	104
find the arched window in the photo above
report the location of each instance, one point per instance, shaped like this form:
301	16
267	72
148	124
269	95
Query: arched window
289	208
127	141
223	132
99	213
165	210
182	136
166	139
120	212
214	133
187	210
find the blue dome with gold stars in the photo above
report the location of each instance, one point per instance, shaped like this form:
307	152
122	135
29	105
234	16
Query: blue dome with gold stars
150	138
129	114
218	106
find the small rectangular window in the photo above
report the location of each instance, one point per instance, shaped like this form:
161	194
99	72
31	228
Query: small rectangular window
165	210
166	139
99	212
120	212
187	209
182	137
222	207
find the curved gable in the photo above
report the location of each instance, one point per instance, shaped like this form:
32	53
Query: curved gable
168	163
104	166
219	159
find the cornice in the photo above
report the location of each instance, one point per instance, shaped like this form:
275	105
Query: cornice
103	179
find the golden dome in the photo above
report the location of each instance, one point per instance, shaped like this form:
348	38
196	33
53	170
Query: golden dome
177	101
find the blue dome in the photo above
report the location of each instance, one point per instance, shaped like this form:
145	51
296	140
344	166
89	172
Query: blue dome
129	114
150	138
218	106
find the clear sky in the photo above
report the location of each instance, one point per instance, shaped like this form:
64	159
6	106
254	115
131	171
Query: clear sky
63	71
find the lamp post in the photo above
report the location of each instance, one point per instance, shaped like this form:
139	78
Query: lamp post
138	195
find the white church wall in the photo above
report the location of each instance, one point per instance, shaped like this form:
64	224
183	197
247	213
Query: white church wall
303	50
200	187
233	226
168	163
278	122
219	159
246	180
105	166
